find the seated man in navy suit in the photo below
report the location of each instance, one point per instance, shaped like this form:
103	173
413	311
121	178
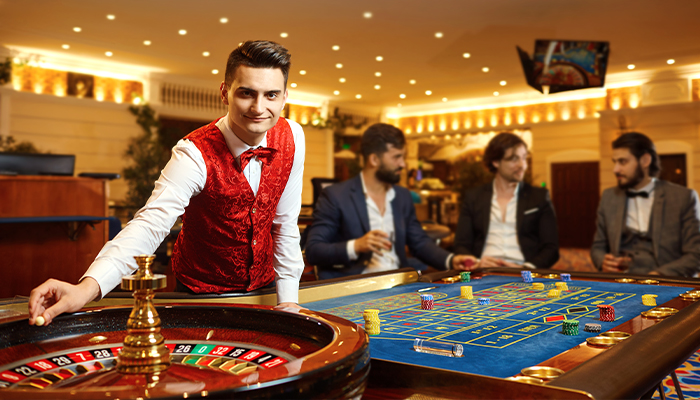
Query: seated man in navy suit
508	223
364	224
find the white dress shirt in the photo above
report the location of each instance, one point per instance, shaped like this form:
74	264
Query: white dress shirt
183	178
387	259
639	209
502	239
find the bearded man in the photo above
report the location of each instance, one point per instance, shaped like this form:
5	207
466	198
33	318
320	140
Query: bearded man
364	224
646	225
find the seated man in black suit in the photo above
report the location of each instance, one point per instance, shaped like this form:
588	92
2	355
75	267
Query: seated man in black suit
365	223
508	223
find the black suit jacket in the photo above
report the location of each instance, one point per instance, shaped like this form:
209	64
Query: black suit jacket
341	215
536	224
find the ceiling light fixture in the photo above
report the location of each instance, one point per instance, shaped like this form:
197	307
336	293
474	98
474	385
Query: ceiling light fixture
466	55
428	92
109	53
284	34
66	46
339	65
214	71
341	80
412	81
358	96
205	54
223	20
502	83
379	58
77	29
293	84
485	69
444	99
496	93
377	87
367	15
402	96
377	74
438	35
335	48
631	66
110	17
182	32
336	92
146	42
670	61
302	72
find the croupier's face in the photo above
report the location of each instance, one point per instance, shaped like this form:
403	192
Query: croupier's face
513	165
629	170
255	101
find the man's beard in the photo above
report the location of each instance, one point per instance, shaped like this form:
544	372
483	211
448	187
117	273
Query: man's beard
388	176
634	181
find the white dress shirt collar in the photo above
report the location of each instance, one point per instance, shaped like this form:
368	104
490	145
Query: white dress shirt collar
234	143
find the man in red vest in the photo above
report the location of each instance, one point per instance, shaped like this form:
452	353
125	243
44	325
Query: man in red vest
237	185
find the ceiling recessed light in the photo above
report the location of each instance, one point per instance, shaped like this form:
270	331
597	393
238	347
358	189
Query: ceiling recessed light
412	81
339	65
377	74
496	93
670	61
182	32
485	69
336	92
466	55
110	17
284	34
109	53
502	83
428	92
377	87
367	14
302	72
77	29
341	80
205	54
293	84
631	66
444	99
402	96
379	58
146	42
438	35
358	96
66	46
335	48
398	105
214	71
223	20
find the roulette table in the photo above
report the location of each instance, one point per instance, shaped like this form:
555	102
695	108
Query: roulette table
630	368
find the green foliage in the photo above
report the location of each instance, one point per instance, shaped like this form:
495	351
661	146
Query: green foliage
148	157
5	71
8	145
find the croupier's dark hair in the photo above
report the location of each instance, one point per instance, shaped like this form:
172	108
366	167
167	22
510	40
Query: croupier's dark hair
639	144
497	147
258	54
378	137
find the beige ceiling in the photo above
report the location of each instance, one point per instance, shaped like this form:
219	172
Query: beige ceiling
642	32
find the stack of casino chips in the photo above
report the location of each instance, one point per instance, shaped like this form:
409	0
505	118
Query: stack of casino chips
426	302
538	286
649	299
590	327
465	276
565	277
467	292
561	286
570	327
554	293
607	312
527	276
372	323
483	301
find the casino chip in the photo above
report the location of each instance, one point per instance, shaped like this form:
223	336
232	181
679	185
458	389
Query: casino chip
561	286
527	276
554	294
372	323
570	327
484	301
649	299
466	292
590	327
607	312
426	302
465	276
566	277
538	286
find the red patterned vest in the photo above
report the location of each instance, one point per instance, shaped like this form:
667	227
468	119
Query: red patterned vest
226	242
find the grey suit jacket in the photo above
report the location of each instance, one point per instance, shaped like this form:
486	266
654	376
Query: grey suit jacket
675	224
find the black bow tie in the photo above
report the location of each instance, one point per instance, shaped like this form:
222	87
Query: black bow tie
638	194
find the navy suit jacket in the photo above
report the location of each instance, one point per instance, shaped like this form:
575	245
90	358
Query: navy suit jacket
341	215
536	224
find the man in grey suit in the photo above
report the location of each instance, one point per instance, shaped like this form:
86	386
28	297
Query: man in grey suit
646	225
364	224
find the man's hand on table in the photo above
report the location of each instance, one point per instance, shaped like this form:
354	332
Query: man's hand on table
461	262
54	297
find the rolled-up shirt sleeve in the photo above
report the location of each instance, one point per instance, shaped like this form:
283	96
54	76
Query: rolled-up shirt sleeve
288	261
182	178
